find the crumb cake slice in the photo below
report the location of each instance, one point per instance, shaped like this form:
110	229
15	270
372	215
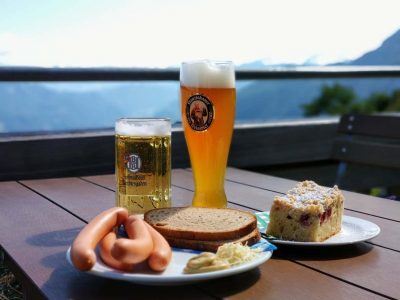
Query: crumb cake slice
308	213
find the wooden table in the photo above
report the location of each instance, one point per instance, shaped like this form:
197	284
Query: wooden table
40	218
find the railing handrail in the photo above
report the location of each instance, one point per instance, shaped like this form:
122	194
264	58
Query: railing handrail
106	131
172	74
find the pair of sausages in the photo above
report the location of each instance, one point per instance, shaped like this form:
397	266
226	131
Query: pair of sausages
144	242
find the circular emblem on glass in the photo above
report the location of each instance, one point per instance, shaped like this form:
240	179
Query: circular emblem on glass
133	163
199	112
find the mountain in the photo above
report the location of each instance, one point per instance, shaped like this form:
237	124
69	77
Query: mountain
41	107
257	64
387	54
67	106
282	99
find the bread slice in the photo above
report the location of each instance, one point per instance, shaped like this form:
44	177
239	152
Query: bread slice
203	224
212	246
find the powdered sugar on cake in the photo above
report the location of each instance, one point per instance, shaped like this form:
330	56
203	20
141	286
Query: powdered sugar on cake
309	193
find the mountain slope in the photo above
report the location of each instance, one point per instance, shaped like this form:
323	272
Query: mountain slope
282	99
37	106
387	54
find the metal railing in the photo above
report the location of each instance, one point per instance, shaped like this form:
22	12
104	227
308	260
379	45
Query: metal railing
91	152
9	74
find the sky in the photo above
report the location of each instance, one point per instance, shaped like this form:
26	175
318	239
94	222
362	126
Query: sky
158	33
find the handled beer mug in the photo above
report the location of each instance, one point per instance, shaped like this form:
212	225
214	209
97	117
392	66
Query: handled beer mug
143	164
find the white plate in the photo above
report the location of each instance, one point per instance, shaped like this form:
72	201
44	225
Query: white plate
173	275
354	230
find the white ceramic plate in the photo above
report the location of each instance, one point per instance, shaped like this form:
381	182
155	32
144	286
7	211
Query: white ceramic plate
173	275
354	230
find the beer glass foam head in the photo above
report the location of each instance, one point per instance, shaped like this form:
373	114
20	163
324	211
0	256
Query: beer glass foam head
207	74
143	127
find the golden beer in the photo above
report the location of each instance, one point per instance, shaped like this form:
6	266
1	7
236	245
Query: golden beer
208	99
143	164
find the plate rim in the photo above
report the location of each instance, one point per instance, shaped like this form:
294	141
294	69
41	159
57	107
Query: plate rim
159	279
326	243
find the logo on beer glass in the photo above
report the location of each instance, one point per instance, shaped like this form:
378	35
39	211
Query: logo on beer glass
133	162
199	112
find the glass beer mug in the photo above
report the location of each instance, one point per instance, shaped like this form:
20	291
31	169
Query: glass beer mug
208	98
143	164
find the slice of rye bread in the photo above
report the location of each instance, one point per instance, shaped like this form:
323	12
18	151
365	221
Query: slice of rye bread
205	224
212	246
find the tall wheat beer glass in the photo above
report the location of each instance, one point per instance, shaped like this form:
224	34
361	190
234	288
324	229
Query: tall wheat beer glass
208	99
143	164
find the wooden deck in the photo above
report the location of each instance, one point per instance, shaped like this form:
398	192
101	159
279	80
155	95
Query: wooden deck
40	218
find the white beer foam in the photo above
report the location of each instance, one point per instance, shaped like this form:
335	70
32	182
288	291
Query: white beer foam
207	74
143	127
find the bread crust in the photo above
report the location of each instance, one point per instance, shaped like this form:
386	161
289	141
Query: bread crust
169	231
212	246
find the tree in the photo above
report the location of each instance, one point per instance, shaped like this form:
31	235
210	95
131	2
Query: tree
338	100
333	100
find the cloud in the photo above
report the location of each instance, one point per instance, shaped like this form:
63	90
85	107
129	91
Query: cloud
164	33
17	49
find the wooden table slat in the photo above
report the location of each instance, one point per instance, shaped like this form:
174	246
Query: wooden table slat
377	262
357	202
389	229
271	274
36	234
261	200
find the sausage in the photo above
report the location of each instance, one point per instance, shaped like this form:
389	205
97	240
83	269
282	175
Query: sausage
161	254
82	251
105	252
139	245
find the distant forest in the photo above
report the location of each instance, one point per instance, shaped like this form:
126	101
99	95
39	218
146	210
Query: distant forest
338	99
